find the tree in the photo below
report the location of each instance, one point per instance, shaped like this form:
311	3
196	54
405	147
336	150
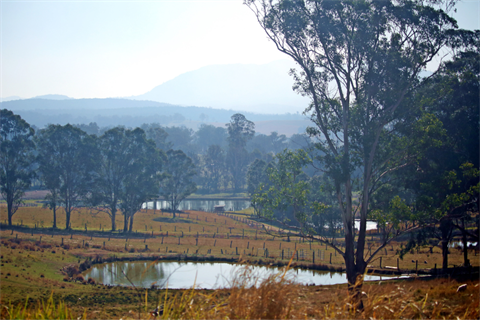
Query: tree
256	175
360	62
214	167
155	132
285	198
119	157
140	174
177	183
443	178
180	138
328	221
16	159
208	135
240	130
66	162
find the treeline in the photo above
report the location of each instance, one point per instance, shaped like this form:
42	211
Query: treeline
121	169
211	149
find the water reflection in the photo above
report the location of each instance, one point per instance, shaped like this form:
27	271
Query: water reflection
202	275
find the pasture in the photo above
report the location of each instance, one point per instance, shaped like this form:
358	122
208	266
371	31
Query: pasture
34	258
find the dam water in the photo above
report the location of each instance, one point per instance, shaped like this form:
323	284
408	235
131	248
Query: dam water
182	275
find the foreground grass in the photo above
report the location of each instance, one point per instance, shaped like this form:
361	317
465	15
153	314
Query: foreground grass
277	298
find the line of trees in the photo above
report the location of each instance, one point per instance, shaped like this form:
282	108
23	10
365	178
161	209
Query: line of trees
221	154
120	170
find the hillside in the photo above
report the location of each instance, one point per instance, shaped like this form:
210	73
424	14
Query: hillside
255	88
132	113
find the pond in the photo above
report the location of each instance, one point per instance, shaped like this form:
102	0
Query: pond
182	275
202	205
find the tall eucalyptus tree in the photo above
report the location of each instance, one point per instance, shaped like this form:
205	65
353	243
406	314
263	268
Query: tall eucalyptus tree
359	63
66	158
16	159
177	182
240	130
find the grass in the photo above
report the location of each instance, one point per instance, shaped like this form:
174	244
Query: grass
33	259
279	298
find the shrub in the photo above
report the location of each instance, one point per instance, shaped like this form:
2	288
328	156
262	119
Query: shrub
70	270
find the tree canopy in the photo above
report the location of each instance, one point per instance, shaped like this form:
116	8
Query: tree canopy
66	162
16	157
177	183
360	62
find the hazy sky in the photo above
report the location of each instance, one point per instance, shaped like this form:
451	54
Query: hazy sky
98	49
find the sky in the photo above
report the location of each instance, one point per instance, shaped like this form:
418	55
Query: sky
100	49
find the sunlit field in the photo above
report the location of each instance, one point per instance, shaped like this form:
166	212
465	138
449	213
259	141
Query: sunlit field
35	257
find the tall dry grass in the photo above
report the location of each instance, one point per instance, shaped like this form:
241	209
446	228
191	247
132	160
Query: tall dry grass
278	298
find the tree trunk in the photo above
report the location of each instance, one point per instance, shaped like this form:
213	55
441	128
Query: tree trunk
54	217
67	221
112	215
446	228
466	262
131	223
125	222
174	208
445	254
10	210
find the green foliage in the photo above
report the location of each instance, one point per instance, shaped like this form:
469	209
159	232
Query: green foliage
359	63
66	163
16	157
287	188
142	175
214	168
127	172
240	130
177	183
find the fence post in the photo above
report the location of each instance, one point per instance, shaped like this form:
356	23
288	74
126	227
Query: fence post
330	258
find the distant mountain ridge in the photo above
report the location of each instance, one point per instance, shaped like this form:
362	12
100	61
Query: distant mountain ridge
53	97
263	88
133	113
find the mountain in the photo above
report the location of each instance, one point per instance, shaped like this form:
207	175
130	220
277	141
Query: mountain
10	98
53	97
256	88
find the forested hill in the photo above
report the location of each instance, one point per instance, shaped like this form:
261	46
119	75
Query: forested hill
132	113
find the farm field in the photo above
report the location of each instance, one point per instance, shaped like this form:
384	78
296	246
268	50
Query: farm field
35	261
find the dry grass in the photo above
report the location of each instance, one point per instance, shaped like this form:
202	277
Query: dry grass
217	235
275	298
32	264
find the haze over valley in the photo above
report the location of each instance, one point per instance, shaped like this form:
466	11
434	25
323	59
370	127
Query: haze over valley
208	95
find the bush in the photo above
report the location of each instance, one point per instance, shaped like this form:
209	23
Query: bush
70	270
